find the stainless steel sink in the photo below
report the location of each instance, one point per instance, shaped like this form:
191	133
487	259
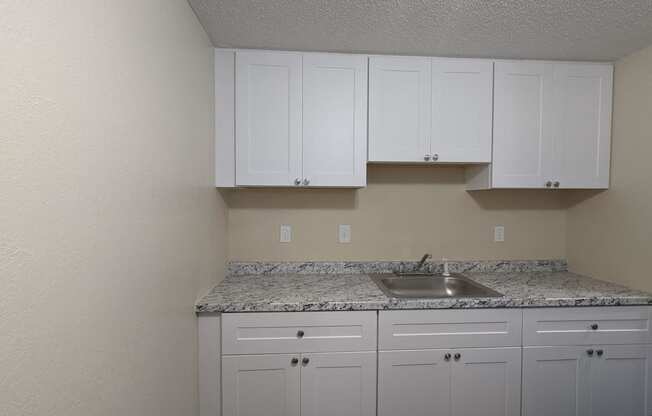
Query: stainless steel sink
430	286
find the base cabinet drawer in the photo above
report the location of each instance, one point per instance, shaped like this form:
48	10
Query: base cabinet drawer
309	384
457	382
587	381
288	332
586	326
449	329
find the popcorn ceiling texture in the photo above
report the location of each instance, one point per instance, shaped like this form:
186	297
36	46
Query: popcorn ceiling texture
110	226
534	29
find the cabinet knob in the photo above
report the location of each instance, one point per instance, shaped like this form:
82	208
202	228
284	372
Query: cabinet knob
549	184
306	182
295	361
589	352
435	157
457	356
600	352
447	356
556	184
594	327
297	182
300	333
426	157
305	361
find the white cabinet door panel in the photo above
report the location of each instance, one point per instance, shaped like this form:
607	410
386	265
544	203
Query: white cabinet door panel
335	119
342	384
487	381
583	101
523	108
556	381
462	104
268	118
399	109
260	385
619	380
415	383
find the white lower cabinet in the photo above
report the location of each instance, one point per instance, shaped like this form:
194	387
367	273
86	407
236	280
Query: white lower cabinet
300	384
260	385
586	381
456	382
339	384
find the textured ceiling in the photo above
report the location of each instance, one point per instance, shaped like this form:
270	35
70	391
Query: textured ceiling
544	29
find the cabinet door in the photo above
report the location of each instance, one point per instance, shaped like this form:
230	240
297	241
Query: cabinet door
583	96
620	380
523	114
342	384
415	383
335	119
556	381
267	118
487	381
260	385
399	109
462	105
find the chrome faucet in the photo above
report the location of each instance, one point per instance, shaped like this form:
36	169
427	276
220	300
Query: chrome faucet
423	261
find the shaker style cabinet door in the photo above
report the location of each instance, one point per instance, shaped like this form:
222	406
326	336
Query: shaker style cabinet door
415	383
523	121
462	104
267	118
338	383
486	381
261	385
334	120
620	380
583	101
556	381
399	109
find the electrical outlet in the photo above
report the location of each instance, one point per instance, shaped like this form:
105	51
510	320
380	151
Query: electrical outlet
286	233
499	233
344	233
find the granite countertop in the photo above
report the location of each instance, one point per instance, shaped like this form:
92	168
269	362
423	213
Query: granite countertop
299	290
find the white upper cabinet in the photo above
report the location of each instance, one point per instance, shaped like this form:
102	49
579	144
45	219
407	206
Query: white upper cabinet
267	118
334	119
461	110
522	124
399	108
430	110
552	126
583	100
300	119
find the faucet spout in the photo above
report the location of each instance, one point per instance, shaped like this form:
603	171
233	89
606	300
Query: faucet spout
423	261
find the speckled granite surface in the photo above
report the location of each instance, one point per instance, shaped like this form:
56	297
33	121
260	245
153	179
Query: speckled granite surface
366	267
337	292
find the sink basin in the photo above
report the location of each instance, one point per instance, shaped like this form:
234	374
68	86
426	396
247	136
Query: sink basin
423	286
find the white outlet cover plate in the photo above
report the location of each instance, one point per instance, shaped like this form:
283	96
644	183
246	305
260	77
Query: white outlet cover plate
499	233
286	233
344	233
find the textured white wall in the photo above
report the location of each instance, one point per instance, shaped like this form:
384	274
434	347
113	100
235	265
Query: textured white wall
109	224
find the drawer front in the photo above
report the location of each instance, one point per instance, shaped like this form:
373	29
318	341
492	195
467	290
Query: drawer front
586	326
400	330
267	333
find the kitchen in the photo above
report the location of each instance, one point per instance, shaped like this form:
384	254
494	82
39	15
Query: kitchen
352	208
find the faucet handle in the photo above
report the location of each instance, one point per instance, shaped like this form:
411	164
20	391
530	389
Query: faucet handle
446	272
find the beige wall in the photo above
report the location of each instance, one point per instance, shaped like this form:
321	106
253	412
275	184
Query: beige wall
404	212
610	233
109	224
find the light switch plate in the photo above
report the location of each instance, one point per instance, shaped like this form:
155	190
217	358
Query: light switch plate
344	233
286	233
499	233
